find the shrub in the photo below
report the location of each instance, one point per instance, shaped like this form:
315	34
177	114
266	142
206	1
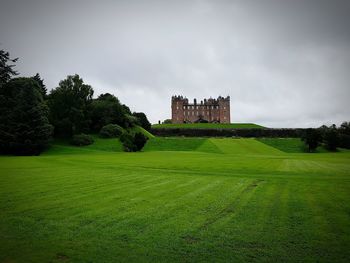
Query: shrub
127	139
133	142
140	140
111	131
82	140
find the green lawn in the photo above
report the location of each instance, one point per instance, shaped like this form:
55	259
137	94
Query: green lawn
181	200
209	126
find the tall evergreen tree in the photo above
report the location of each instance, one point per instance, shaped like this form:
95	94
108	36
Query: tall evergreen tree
6	69
42	87
24	125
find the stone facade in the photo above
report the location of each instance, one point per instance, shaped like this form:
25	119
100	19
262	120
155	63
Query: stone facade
210	110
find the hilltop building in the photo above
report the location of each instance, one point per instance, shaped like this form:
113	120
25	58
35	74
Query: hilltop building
209	110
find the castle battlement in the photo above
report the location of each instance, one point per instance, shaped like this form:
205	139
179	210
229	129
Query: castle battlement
207	110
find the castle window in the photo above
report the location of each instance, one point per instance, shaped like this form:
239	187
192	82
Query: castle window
177	108
224	108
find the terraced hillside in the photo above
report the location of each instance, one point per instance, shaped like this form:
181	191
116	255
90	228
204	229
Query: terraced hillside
190	199
209	126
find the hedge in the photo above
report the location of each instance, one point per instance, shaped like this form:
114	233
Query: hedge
254	132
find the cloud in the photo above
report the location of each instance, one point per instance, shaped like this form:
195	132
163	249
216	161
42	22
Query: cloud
284	63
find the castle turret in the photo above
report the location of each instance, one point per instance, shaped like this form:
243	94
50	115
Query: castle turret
224	109
177	109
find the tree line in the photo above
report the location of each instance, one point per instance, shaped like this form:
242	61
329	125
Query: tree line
30	116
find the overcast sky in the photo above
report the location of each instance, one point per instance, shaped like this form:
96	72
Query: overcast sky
285	63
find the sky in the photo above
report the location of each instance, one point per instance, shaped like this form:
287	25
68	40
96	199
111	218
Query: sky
284	63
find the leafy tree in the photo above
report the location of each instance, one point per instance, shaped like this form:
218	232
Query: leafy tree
6	69
312	139
142	120
345	128
167	121
331	138
106	109
24	125
130	121
82	140
42	89
69	104
344	135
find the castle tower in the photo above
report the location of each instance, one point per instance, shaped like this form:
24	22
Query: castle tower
224	109
177	109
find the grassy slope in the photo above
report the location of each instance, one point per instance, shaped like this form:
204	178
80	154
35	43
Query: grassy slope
288	145
251	203
208	125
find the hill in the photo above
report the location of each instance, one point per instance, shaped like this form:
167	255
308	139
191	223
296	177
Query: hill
209	126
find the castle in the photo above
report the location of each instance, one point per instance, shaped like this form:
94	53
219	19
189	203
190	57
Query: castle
209	110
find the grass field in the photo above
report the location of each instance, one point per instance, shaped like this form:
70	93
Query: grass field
209	126
180	200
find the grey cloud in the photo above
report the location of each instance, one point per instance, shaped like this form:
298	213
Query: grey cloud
284	63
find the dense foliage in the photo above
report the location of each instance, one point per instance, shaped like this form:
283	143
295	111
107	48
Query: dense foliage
142	120
81	140
133	142
312	138
111	131
6	69
24	125
69	104
107	109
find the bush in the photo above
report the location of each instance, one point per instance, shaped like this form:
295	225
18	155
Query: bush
133	142
82	140
140	140
111	131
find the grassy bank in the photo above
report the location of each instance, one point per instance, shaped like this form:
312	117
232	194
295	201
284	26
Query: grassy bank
180	200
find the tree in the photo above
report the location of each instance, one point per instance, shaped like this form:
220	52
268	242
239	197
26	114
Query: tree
6	69
167	121
42	87
24	125
344	135
331	138
345	128
143	121
69	104
111	131
106	109
312	139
